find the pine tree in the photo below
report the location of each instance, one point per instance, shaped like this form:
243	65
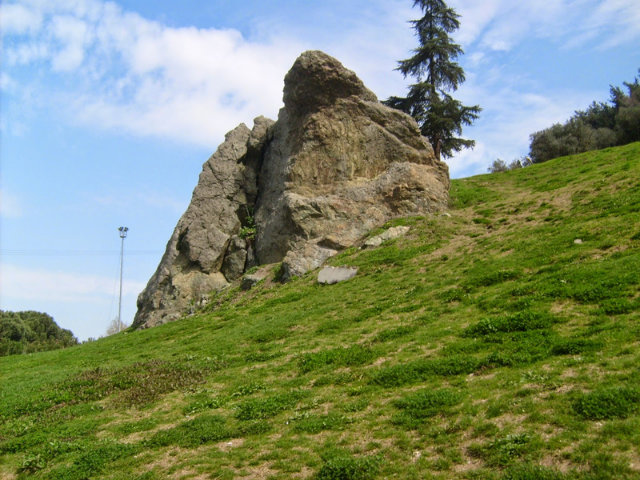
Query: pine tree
439	116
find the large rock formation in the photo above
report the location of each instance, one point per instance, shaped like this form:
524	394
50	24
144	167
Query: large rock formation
335	165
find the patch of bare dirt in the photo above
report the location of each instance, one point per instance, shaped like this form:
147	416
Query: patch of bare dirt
230	445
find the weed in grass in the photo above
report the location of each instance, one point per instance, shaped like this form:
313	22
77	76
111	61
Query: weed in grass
607	403
199	431
531	472
314	424
337	357
618	306
93	461
135	385
519	322
575	346
421	370
425	404
394	333
349	468
203	401
506	450
248	389
454	295
262	408
487	279
357	406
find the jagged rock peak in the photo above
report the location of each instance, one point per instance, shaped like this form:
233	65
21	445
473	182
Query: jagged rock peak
335	165
317	80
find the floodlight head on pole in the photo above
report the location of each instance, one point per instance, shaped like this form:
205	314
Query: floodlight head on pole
123	234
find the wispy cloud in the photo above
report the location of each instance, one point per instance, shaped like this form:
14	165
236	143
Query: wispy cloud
10	205
38	284
126	72
501	24
156	200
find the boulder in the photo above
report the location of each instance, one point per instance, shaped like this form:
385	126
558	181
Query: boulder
340	164
332	275
394	232
336	165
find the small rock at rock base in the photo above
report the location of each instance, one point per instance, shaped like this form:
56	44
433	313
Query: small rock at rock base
394	232
331	275
577	241
251	280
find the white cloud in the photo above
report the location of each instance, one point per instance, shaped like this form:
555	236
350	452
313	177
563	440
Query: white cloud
124	72
501	24
18	19
10	205
73	35
37	284
154	200
130	73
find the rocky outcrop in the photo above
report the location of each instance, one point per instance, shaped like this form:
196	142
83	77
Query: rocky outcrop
335	165
205	252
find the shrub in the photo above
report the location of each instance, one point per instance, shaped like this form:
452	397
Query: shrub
28	332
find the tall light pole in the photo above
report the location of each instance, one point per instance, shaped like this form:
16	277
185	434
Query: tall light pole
123	234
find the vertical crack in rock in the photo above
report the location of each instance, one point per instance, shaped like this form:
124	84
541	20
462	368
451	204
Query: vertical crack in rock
335	165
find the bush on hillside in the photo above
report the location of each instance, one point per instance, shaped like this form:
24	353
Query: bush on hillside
28	332
601	125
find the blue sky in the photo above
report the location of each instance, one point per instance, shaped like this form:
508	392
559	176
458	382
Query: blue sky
109	110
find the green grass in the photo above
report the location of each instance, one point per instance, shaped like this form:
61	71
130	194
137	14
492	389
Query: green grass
484	345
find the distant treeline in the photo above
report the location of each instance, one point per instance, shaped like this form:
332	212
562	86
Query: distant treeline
601	125
27	332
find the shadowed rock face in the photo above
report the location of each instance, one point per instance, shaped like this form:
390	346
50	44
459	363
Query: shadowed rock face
335	165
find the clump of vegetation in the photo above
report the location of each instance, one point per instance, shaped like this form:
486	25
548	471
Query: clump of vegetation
607	403
601	125
500	165
28	332
344	467
424	404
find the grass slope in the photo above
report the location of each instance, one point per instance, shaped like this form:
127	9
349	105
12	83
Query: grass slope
487	344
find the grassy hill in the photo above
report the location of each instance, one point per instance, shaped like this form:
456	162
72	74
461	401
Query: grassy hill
500	342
